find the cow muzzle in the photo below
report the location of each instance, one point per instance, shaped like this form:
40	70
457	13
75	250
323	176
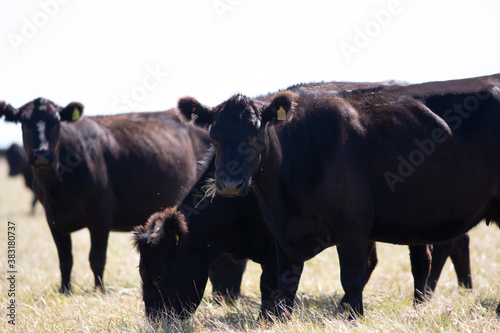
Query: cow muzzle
231	187
40	158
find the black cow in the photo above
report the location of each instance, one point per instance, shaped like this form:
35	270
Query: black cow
18	164
407	165
426	267
177	249
104	173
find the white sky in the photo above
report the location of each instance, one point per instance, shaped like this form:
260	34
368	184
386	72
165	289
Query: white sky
99	53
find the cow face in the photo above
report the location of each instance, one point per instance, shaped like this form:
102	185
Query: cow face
40	120
173	279
238	129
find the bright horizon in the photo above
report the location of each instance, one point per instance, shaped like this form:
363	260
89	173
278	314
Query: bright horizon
121	56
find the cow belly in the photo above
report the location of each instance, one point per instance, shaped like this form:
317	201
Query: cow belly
419	226
396	235
135	205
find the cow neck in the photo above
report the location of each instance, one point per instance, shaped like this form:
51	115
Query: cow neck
195	217
199	232
267	190
270	155
48	177
204	170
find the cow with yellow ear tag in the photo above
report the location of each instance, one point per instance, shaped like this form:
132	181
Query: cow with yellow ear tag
104	172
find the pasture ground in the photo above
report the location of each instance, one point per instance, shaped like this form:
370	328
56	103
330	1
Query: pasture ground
387	297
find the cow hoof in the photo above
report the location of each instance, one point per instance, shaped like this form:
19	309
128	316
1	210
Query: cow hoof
65	290
100	288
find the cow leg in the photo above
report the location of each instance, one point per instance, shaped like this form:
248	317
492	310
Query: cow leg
352	253
439	254
289	272
225	275
420	258
97	256
268	287
460	257
372	260
63	245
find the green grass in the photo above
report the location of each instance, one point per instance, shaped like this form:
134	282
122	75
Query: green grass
387	297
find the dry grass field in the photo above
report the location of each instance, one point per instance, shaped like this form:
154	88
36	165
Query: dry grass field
387	297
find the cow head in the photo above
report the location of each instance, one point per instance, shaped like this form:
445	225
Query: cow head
40	120
238	130
173	278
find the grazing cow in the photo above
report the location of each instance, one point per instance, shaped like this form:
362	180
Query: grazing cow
176	250
18	164
104	173
407	165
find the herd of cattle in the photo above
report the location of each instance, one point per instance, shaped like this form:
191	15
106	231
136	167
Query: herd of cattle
313	166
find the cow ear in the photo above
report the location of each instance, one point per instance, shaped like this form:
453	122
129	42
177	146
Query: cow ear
139	237
280	110
72	112
166	228
189	107
10	113
175	228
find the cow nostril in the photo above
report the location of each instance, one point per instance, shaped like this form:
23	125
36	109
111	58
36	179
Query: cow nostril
221	186
41	154
240	185
40	157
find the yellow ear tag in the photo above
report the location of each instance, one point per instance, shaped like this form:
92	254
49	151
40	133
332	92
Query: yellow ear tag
176	239
194	109
281	113
75	115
